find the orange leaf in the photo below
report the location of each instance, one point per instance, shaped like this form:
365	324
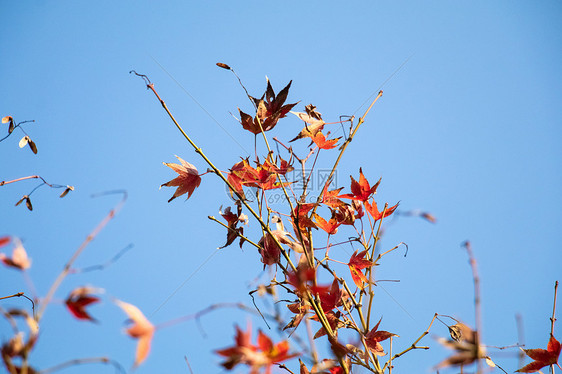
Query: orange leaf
374	211
187	180
331	226
19	259
320	140
141	329
356	263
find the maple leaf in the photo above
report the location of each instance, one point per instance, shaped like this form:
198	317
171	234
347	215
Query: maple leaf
333	321
262	355
374	211
331	226
274	103
268	111
187	180
79	299
283	168
300	309
232	219
300	214
542	357
344	214
252	124
19	259
320	140
356	263
374	337
361	190
330	198
311	128
141	329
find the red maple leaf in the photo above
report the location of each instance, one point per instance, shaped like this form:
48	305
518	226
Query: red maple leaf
274	103
333	321
252	124
262	355
187	180
361	190
356	263
300	214
78	300
331	226
374	211
542	357
330	198
374	337
320	140
268	112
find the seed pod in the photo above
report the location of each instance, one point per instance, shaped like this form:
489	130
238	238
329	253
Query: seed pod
224	66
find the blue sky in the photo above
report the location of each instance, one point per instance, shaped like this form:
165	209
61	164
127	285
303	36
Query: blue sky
468	129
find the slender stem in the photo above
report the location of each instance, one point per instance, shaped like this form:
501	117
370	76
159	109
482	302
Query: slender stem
370	269
553	318
413	346
79	361
14	295
477	306
345	144
21	179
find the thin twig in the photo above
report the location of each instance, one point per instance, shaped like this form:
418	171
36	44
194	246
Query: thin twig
81	361
553	318
413	346
477	305
77	253
105	264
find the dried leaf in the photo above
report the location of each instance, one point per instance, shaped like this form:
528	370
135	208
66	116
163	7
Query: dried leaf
66	191
23	142
311	128
33	146
10	120
19	259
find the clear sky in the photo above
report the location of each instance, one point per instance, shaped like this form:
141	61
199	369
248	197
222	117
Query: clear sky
469	129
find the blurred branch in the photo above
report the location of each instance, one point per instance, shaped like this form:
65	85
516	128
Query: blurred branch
80	249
